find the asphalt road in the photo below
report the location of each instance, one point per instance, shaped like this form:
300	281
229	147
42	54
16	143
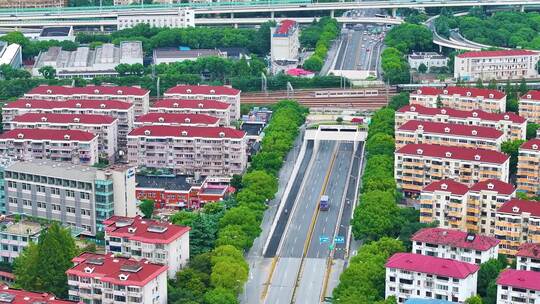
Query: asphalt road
360	50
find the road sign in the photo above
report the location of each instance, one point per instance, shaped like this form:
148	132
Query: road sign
339	239
331	247
323	239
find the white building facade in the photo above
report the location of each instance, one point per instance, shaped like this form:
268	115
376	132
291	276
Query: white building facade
498	65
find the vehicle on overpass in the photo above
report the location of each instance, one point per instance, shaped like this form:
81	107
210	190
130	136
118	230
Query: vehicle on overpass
323	204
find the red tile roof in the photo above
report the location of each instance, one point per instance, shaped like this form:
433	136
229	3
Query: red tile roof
68	104
499	53
91	119
533	144
48	134
454	238
477	114
535	95
529	250
191	104
119	226
448	185
453	129
517	206
299	72
482	155
175	118
202	90
88	90
520	279
431	265
176	131
28	297
494	185
462	91
284	26
108	268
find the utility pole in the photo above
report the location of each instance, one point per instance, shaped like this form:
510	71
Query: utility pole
264	84
290	90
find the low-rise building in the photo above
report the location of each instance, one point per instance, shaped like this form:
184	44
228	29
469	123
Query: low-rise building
176	119
225	94
179	18
285	41
11	54
135	95
221	110
105	127
415	275
417	165
528	167
122	111
529	106
105	278
497	65
518	286
81	197
157	242
512	125
15	236
199	151
429	59
455	245
32	3
58	33
171	54
16	296
518	222
460	98
73	146
528	257
448	134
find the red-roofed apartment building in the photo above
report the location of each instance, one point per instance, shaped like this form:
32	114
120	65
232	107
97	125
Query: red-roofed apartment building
157	242
518	286
455	205
448	134
528	257
528	173
225	94
285	41
176	119
199	151
498	65
428	277
417	165
105	278
105	127
518	222
460	98
512	125
73	146
529	106
455	245
20	296
139	97
221	110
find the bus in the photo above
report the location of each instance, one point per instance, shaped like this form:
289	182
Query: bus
323	204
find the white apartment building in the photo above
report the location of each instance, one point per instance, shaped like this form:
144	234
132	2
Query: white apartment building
105	278
225	94
460	98
417	165
498	65
221	110
518	222
181	18
455	244
199	151
429	59
448	134
410	275
135	95
122	111
73	146
15	236
105	127
518	286
81	197
176	119
285	41
529	106
528	257
512	125
157	242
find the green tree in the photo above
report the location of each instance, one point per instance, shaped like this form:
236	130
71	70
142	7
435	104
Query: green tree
422	68
380	144
407	37
313	63
492	84
531	130
487	276
474	300
48	72
512	148
398	101
479	83
523	89
147	207
339	120
220	296
375	216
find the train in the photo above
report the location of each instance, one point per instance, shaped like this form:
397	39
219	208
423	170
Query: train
346	93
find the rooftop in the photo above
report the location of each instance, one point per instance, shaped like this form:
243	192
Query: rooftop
187	131
48	134
517	206
467	154
143	230
462	91
88	90
532	94
57	31
431	265
494	185
252	129
167	182
55	169
476	114
520	279
191	104
455	238
533	144
453	129
202	90
530	250
19	296
499	53
115	270
68	104
284	27
448	185
21	227
426	301
65	118
185	54
174	118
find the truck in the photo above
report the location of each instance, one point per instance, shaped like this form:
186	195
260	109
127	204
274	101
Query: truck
323	203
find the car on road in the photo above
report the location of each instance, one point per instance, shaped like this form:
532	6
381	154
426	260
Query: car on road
323	204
